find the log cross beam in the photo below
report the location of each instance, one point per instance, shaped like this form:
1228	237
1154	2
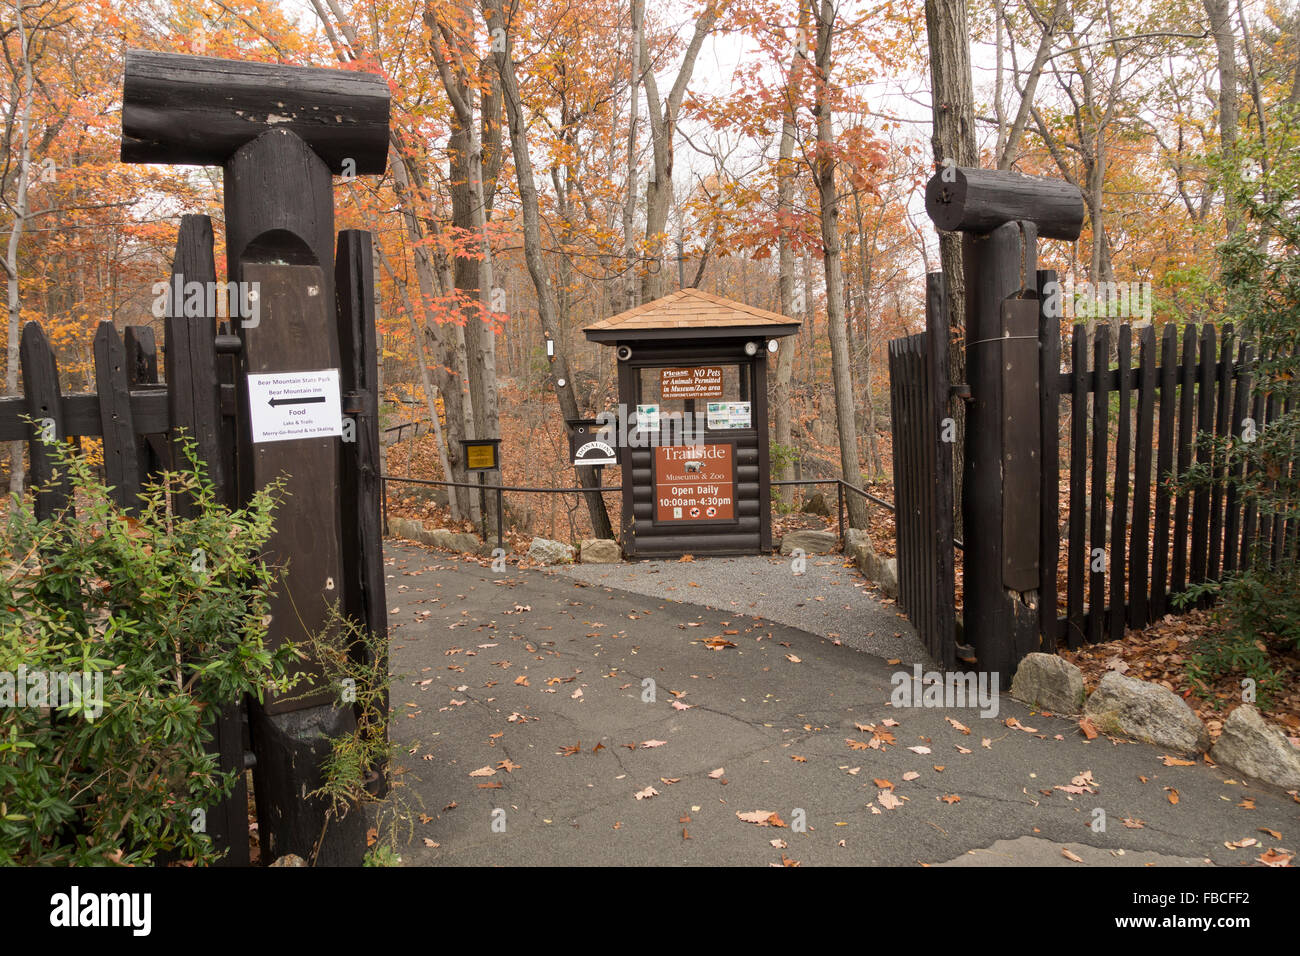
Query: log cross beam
198	111
1000	216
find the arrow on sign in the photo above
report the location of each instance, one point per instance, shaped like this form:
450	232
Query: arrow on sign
309	400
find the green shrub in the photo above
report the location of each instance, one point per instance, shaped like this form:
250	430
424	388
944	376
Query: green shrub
168	611
1259	610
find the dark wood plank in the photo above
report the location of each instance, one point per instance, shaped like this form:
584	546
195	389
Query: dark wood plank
121	462
1250	520
80	414
1021	442
1222	424
190	355
41	392
1097	545
1186	434
1049	521
1143	445
1077	558
142	371
1204	454
360	492
1168	375
1232	532
1119	510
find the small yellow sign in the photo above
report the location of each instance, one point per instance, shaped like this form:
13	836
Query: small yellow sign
481	456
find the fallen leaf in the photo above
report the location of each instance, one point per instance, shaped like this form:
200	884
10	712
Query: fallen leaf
950	799
762	818
483	772
1071	856
647	793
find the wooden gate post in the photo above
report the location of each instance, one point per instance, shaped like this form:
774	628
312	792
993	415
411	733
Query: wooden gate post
280	132
1001	215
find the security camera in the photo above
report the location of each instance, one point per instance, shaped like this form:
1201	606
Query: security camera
624	353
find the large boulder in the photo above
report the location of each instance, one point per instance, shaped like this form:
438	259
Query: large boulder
546	551
407	528
450	540
855	538
887	580
810	542
1251	746
816	505
877	568
600	551
1135	708
1049	682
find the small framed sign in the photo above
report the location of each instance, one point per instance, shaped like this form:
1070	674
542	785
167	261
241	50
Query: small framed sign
481	454
590	443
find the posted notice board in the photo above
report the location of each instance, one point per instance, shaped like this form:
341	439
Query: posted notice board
694	483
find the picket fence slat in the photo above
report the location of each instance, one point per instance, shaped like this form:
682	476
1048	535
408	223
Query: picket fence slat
1139	579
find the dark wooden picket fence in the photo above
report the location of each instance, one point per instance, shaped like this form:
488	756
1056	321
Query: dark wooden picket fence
140	421
1135	540
923	485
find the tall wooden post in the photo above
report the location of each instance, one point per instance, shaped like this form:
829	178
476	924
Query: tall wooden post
1001	215
279	133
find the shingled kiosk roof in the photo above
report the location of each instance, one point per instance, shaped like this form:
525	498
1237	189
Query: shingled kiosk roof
691	313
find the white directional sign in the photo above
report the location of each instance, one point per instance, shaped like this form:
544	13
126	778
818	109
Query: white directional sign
289	405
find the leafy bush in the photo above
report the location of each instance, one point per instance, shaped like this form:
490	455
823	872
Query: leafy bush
168	611
1259	610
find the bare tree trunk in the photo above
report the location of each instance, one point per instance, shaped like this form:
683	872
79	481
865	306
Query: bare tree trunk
20	211
633	116
449	346
952	102
874	466
1010	144
1225	43
412	193
785	259
836	320
663	130
533	250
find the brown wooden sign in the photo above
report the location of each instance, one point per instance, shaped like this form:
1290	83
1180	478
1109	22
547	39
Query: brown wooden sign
694	483
703	381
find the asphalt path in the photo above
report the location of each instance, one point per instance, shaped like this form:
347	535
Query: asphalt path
545	719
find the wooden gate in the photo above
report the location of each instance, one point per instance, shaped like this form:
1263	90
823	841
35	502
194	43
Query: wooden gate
923	482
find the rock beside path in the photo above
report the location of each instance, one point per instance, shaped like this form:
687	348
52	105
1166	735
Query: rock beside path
1049	683
1250	745
1146	711
547	551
